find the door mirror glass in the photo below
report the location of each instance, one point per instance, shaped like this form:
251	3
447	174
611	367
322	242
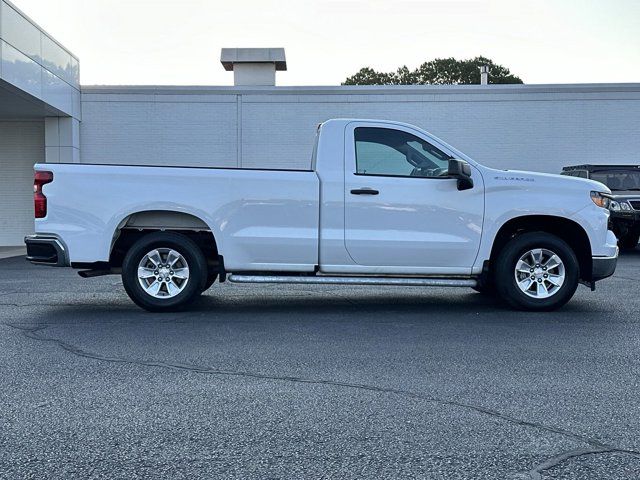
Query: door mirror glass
462	171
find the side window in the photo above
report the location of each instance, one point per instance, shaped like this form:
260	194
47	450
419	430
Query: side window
385	151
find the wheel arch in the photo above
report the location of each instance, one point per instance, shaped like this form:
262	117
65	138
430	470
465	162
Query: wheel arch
136	224
568	230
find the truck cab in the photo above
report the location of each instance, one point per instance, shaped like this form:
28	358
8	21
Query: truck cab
394	204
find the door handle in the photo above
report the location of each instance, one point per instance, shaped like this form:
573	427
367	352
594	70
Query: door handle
364	191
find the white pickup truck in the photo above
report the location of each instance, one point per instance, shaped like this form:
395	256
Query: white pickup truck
383	203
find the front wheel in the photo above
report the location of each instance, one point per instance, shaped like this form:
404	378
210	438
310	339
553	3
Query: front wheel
164	271
537	271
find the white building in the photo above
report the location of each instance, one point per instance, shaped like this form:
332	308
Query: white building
46	116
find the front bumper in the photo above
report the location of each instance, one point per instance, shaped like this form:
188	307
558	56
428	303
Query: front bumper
46	250
603	267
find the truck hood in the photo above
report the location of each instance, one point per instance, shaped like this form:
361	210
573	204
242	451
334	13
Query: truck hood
549	179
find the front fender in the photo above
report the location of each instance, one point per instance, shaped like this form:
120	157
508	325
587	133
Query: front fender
515	195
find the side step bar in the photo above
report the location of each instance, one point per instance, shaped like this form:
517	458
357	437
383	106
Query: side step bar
327	280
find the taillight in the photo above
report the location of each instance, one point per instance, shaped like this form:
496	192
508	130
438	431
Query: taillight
39	200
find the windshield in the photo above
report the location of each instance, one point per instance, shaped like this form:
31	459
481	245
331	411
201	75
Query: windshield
618	179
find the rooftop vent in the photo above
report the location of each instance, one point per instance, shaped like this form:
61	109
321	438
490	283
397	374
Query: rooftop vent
253	66
484	75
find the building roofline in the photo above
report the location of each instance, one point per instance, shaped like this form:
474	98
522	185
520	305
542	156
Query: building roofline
363	89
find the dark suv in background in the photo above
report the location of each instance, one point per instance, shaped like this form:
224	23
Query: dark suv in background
624	182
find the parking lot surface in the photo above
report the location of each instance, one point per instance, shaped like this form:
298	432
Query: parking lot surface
316	382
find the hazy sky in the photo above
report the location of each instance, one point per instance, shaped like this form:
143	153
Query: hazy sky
178	42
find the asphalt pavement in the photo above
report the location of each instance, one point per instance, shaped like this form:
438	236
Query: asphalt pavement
310	382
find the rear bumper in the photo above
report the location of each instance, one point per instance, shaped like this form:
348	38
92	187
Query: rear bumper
46	250
603	267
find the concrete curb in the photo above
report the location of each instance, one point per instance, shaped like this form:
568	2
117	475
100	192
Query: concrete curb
8	252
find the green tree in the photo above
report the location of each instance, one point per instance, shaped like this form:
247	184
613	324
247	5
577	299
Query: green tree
440	71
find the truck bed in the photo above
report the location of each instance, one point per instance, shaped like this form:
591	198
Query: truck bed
246	210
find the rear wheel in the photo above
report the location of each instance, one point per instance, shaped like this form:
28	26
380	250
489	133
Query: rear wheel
164	271
537	271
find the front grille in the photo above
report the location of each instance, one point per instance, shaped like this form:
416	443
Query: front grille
635	204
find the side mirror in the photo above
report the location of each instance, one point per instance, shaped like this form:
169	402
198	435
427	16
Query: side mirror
462	171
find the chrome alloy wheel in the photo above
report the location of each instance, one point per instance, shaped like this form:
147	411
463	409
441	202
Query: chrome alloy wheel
539	273
163	273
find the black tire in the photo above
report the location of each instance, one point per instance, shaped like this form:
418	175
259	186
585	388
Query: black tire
210	280
181	244
506	284
629	242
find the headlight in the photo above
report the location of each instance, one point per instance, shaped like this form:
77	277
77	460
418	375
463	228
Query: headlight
614	206
600	200
625	206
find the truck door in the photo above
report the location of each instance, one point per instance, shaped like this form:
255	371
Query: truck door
402	211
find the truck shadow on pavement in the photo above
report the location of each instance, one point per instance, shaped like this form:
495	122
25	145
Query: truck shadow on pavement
441	305
468	308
